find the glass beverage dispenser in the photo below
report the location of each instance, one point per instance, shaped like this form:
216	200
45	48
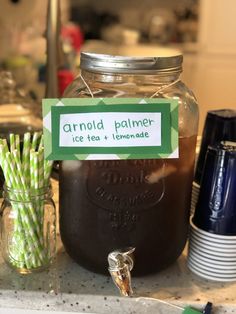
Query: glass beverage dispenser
109	205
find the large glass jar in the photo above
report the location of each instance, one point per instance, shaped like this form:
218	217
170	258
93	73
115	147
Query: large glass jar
108	205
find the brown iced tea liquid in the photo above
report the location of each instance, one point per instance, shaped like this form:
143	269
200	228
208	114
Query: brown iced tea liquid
107	205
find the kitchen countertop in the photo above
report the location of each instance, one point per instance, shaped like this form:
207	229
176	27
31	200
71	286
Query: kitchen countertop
68	287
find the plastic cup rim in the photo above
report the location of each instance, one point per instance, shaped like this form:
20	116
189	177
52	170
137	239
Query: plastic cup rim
215	259
212	253
211	235
211	263
216	246
209	276
212	240
215	274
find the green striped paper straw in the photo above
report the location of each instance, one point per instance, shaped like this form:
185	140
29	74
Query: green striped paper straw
17	145
3	150
34	169
32	172
27	175
19	185
34	183
29	226
41	167
26	158
22	184
36	138
18	240
41	181
12	142
41	143
10	183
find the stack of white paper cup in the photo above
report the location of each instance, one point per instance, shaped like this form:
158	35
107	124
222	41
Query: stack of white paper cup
212	256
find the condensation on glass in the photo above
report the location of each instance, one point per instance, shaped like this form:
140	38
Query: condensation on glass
111	204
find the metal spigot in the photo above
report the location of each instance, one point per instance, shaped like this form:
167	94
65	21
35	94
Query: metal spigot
120	265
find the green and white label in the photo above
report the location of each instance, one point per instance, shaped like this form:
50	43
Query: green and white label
122	129
110	128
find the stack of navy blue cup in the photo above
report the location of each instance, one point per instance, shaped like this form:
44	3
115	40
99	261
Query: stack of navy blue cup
212	242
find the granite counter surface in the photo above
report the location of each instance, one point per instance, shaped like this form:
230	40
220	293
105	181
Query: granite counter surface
68	287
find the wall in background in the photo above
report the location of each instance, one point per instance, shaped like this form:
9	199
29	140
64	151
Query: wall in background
214	75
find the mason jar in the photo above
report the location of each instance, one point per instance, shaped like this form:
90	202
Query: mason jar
28	229
106	205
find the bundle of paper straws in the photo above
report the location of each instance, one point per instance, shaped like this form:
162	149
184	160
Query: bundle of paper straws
26	173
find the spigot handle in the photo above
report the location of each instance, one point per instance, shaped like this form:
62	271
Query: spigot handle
120	265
